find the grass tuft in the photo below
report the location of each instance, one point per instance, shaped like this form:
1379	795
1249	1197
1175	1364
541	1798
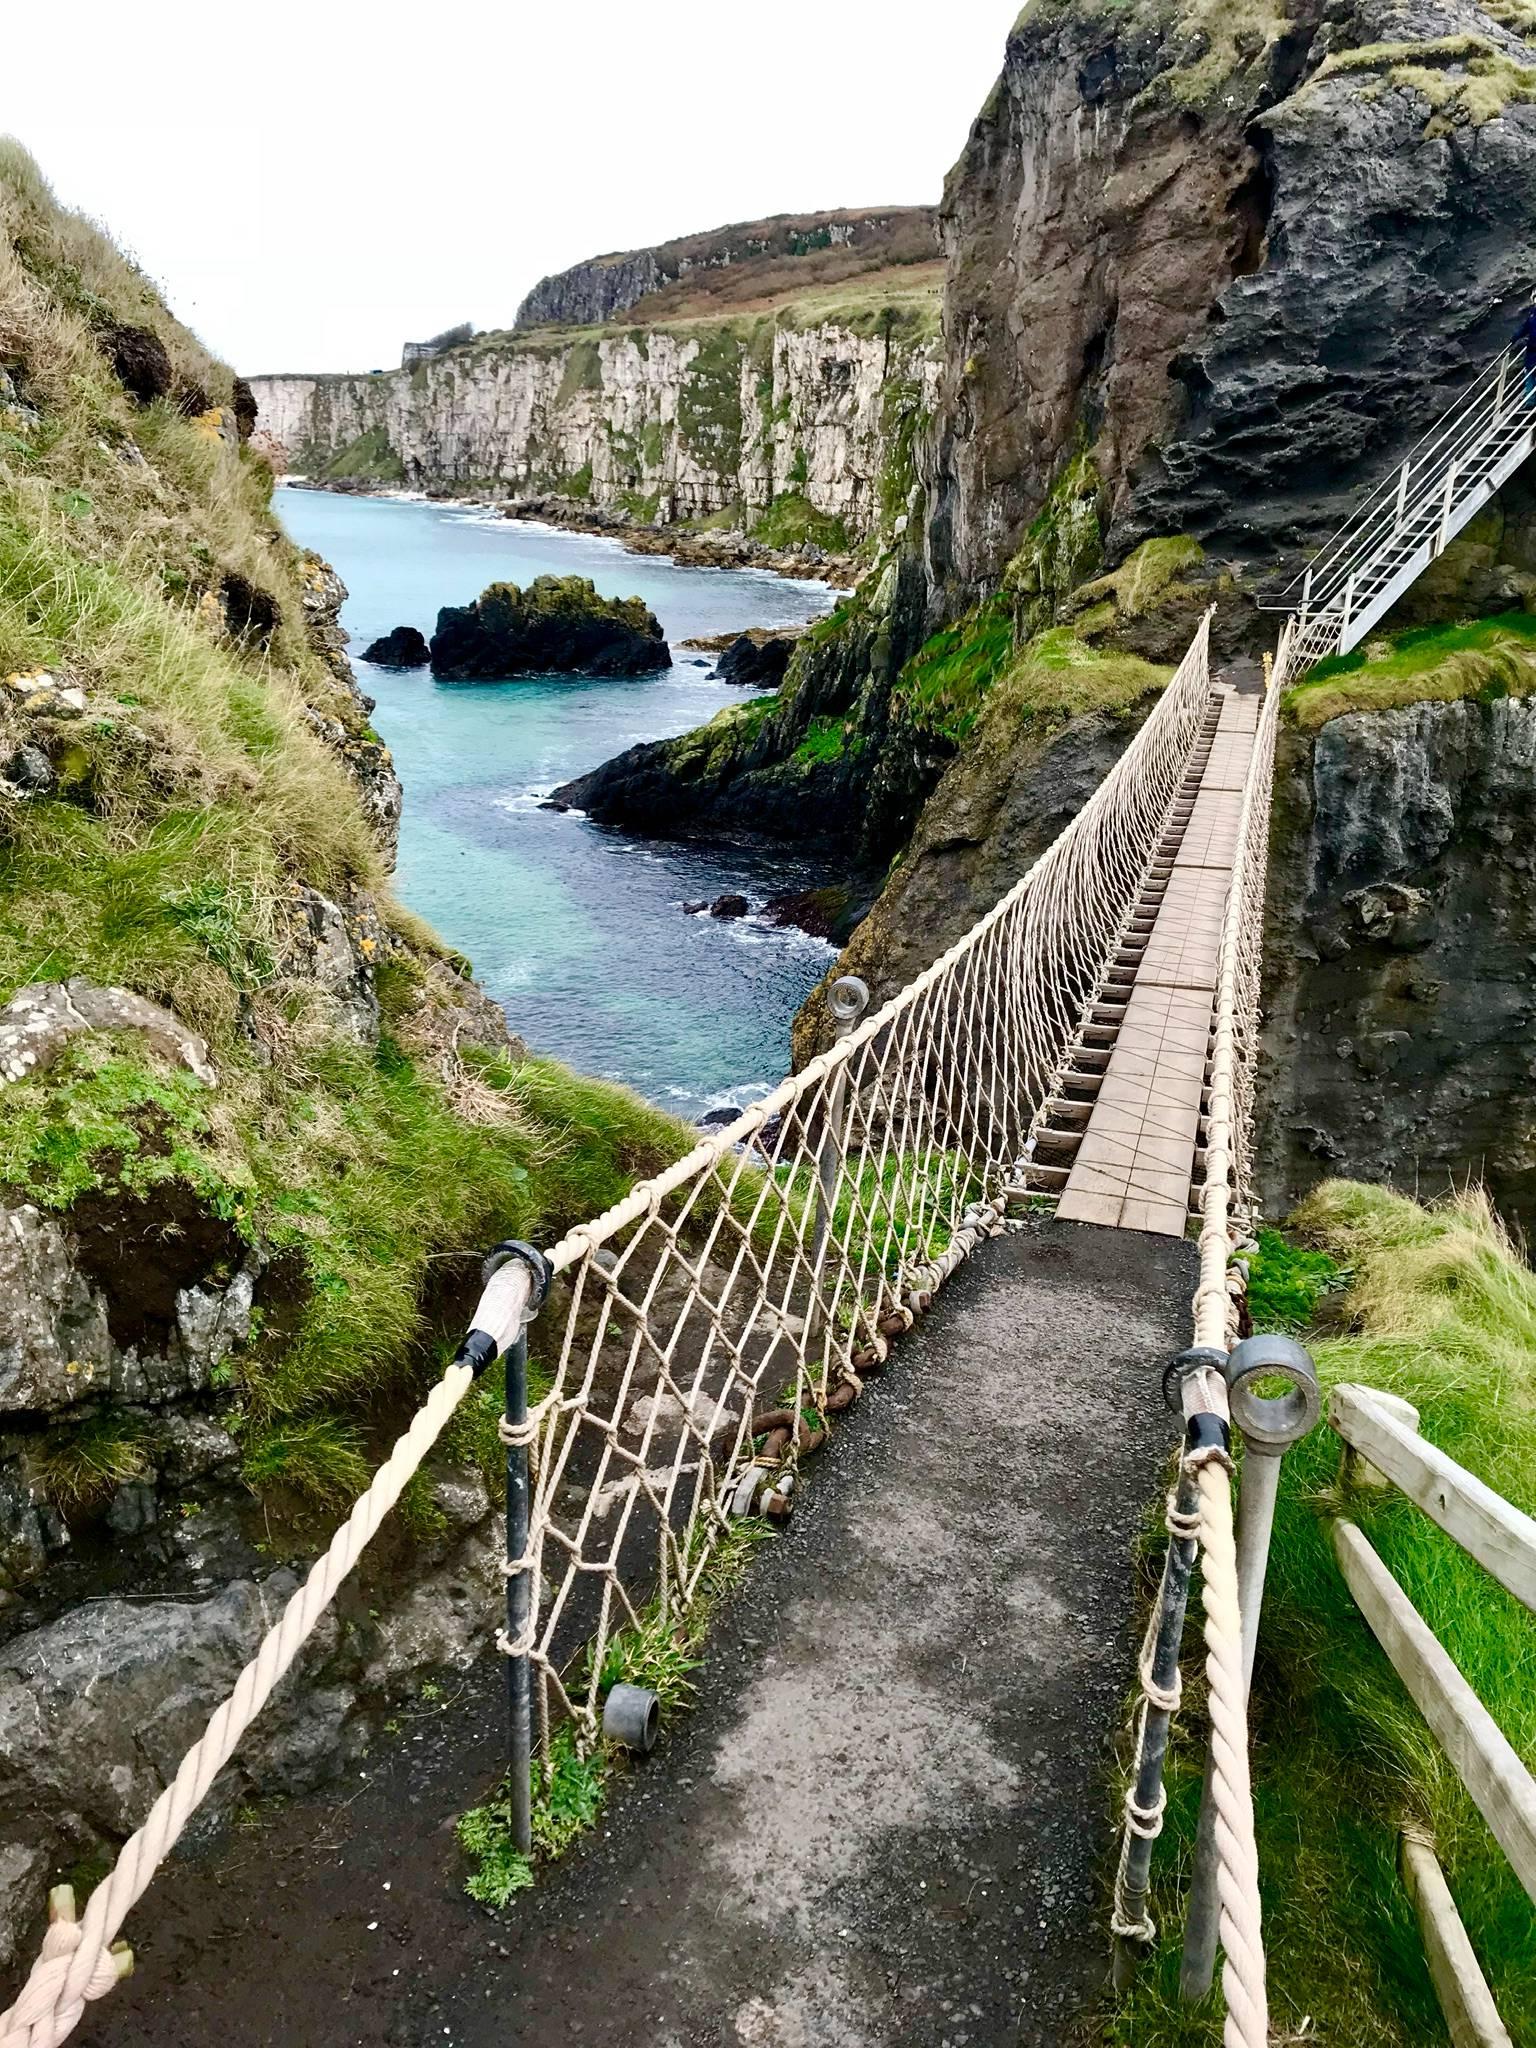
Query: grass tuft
1482	660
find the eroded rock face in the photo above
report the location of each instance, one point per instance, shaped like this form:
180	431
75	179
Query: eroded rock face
362	752
42	1018
1401	955
1242	282
334	949
117	1297
687	424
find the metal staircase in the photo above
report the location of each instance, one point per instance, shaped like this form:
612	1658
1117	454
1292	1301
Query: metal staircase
1414	514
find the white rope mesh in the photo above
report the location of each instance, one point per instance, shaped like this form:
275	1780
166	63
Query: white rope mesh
699	1332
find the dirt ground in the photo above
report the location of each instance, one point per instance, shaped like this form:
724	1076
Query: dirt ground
887	1823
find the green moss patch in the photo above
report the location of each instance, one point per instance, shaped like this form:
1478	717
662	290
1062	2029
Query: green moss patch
368	459
792	521
1483	660
1062	547
943	686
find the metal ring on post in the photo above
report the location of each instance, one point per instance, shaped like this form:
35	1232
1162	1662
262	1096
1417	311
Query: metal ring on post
504	1253
1271	1423
849	999
1199	1358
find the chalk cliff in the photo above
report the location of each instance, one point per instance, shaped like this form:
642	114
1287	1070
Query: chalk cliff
803	431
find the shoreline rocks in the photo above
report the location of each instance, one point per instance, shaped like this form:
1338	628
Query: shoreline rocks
403	647
754	664
557	626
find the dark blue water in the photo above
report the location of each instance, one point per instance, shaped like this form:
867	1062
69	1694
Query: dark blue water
576	930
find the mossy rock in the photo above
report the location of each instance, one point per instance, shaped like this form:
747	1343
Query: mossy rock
559	625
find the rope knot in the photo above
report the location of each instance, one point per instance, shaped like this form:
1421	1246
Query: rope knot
54	1995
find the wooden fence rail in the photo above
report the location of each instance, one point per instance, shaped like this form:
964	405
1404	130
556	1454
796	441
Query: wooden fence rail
1382	1431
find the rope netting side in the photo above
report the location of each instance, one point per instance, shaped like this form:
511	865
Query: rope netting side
77	1961
700	1333
1203	1504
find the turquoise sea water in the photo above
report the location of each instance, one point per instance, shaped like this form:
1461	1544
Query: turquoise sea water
578	931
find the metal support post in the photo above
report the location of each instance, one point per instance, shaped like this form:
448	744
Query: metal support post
516	1281
1183	1385
849	998
1402	491
1447	503
1269	1425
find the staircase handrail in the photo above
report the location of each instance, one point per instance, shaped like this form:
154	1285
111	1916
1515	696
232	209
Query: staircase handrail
1401	498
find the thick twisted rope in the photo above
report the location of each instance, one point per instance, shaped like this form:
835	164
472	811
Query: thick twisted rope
1227	1142
1237	1871
76	1963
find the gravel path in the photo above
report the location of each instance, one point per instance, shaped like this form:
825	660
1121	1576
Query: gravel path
887	1825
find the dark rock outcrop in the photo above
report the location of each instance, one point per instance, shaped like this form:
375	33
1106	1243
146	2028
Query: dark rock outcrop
729	906
557	626
139	358
1400	998
403	647
243	401
830	762
754	664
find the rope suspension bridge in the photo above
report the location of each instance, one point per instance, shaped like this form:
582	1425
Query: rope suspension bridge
1090	1044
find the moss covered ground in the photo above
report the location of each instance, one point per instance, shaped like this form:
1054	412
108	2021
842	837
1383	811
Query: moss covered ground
1440	1308
1483	660
193	808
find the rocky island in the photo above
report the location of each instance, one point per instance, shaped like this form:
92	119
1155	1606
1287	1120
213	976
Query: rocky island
557	626
405	647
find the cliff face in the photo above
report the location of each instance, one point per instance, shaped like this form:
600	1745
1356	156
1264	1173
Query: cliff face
1242	255
667	424
757	255
1400	1000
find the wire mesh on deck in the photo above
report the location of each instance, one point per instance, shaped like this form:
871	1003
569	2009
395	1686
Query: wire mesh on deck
698	1335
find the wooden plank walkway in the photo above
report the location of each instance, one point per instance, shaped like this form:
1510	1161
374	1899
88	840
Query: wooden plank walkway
1134	1166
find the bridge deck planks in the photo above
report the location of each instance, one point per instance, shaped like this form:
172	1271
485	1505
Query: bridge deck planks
1133	1169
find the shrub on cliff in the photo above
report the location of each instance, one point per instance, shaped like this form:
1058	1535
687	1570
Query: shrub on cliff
557	626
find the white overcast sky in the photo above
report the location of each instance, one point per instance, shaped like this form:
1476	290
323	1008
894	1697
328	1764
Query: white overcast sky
314	184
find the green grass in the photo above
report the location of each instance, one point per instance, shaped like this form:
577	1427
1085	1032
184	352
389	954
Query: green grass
1442	1310
78	1468
1287	1282
942	687
1484	659
826	739
792	521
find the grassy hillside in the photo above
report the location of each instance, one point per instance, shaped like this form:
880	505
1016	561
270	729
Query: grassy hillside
176	836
